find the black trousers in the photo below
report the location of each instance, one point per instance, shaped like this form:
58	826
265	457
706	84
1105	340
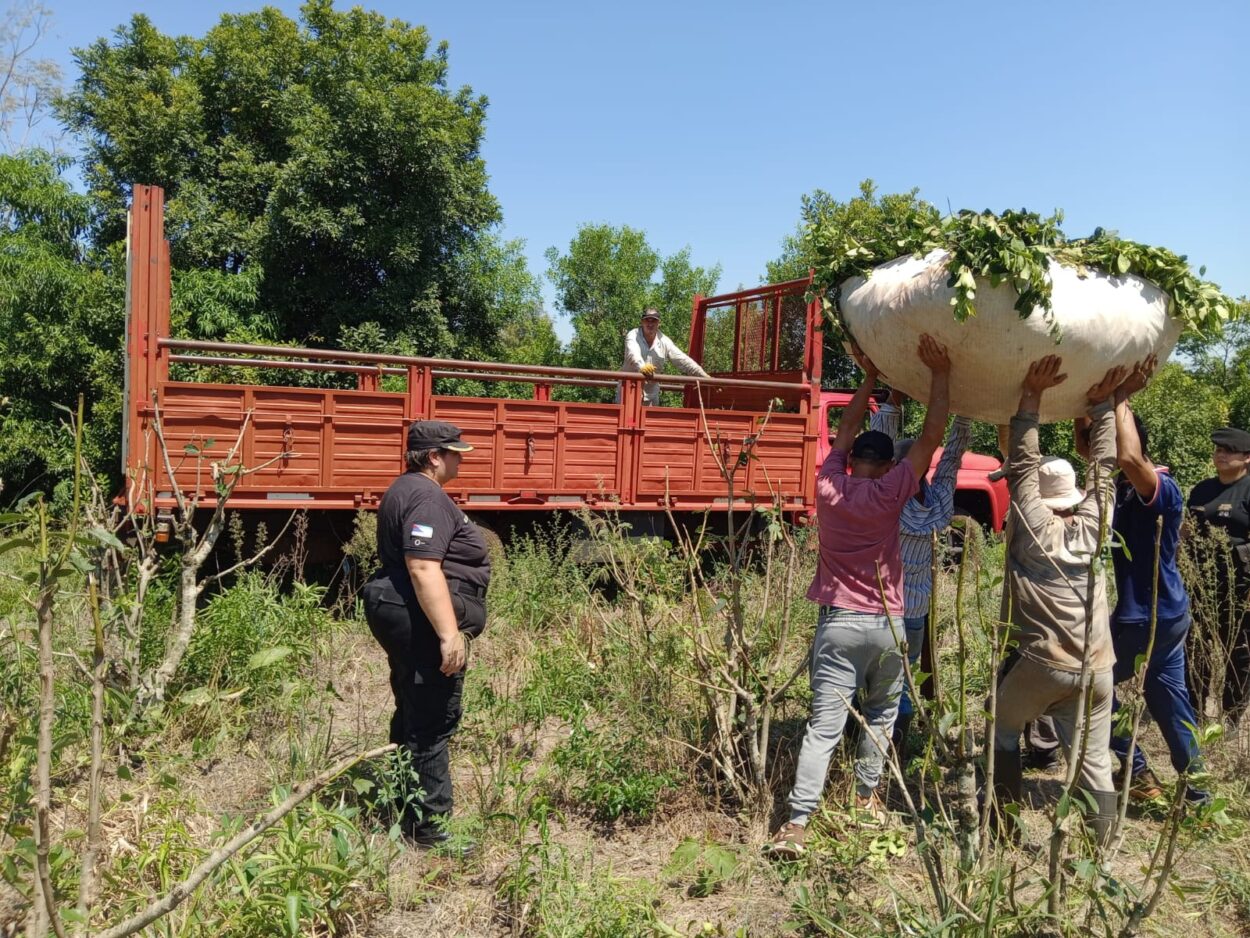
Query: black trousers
1234	636
427	702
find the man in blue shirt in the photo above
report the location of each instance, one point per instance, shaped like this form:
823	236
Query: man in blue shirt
1144	494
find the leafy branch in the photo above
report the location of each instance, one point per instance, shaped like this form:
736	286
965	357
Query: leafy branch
1013	247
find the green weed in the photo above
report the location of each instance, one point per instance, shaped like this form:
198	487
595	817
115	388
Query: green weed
613	776
703	867
252	640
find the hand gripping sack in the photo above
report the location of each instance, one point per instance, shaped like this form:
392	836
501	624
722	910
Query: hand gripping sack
1102	321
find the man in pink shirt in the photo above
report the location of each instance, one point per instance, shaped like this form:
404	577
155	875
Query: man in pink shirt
859	586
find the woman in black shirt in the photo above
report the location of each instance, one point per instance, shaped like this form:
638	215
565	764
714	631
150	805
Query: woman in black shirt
1224	502
422	606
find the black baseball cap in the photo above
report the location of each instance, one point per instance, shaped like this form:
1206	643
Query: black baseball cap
436	434
873	444
1232	438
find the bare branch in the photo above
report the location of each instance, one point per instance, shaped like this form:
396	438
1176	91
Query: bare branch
215	577
95	776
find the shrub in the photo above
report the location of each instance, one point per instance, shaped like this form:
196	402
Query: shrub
613	776
543	584
253	637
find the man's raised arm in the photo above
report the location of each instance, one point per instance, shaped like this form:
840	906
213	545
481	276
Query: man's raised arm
938	362
853	414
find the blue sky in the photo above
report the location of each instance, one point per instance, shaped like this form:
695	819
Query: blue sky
704	123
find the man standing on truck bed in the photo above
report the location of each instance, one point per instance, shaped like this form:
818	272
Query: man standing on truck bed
859	586
647	350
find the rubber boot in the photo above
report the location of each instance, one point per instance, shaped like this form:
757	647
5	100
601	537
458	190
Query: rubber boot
1008	790
1106	812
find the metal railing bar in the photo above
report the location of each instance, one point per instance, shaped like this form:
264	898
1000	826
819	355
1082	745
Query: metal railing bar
468	367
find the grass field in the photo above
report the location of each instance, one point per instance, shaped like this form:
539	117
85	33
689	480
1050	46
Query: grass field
585	766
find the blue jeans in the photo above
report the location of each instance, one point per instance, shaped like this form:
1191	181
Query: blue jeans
851	650
915	627
1166	693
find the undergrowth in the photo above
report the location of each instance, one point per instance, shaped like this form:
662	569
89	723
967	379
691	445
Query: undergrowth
582	766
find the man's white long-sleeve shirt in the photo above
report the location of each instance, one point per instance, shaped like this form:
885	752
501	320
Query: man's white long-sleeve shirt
639	353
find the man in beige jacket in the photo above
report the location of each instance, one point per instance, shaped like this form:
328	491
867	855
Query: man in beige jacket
1054	602
648	350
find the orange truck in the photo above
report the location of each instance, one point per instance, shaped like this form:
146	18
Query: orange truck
337	447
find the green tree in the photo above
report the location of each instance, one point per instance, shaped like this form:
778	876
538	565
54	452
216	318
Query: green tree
61	322
1223	360
608	277
326	159
498	306
1180	411
27	84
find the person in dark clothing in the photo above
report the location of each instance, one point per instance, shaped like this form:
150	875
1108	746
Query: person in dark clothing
1224	503
1147	521
422	606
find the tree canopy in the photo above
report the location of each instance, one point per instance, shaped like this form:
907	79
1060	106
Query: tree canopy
324	186
324	160
61	321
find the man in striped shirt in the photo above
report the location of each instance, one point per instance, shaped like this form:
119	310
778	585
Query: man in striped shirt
929	511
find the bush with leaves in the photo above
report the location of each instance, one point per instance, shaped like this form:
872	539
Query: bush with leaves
252	638
612	773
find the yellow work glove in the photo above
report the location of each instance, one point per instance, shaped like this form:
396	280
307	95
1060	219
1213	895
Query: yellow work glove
648	370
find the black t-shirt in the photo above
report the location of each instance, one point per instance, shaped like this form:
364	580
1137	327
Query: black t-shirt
1227	507
418	519
1224	506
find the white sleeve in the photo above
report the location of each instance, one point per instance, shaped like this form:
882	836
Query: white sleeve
633	361
685	364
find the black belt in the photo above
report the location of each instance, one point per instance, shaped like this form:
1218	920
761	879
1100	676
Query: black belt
464	588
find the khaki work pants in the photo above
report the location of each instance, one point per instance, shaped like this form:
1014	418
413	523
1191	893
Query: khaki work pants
1028	689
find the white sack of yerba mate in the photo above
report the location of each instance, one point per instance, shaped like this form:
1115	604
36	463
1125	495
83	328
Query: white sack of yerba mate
1099	321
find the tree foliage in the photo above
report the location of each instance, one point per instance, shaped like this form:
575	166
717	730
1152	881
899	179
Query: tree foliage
61	322
28	83
324	186
828	226
324	160
605	280
1180	411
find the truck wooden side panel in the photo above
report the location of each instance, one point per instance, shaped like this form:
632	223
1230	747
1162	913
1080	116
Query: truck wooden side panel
334	447
342	448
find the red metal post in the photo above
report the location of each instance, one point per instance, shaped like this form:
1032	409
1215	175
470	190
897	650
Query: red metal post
147	318
778	309
809	405
630	453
